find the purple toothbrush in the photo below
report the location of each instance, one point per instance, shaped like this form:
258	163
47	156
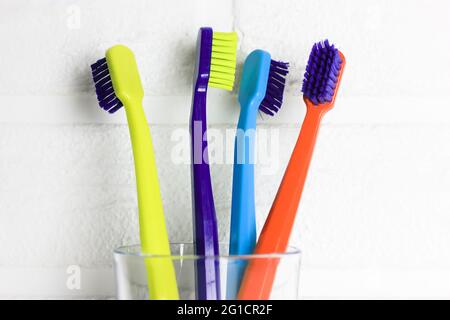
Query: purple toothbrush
215	66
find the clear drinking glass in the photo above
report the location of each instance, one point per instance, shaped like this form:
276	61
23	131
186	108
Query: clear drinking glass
131	274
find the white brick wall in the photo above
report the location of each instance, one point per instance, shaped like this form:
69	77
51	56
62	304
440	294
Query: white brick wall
374	219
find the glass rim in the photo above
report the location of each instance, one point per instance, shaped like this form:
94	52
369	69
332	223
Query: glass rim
122	250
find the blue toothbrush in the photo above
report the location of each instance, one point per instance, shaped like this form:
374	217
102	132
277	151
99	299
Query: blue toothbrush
261	88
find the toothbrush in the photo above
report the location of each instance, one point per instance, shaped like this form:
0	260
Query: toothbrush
320	86
261	88
215	67
118	84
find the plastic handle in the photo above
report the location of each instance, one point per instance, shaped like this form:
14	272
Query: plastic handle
260	274
204	213
153	233
243	221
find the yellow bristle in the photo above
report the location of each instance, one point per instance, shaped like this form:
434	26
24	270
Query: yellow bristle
221	86
225	79
223	60
229	36
226	57
222	68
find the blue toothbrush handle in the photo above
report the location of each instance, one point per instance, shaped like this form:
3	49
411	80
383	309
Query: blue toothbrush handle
204	214
243	221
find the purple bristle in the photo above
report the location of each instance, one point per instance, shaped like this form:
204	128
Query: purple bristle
322	72
103	87
275	87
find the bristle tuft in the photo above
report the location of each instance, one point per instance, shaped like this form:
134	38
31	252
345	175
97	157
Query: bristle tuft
275	87
223	60
106	97
322	72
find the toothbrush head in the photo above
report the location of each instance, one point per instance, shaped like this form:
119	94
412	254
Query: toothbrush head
262	82
216	59
116	79
223	60
323	74
275	87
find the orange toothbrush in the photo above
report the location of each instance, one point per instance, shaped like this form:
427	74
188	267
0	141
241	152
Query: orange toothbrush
322	78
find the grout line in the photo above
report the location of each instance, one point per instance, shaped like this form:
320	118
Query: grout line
222	109
233	14
388	283
319	283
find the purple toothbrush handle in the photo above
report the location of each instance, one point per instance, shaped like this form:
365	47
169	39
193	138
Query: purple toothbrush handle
204	213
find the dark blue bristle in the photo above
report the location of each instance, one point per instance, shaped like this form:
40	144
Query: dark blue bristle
275	87
103	87
322	72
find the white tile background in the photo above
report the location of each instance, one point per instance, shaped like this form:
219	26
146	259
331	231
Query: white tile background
374	220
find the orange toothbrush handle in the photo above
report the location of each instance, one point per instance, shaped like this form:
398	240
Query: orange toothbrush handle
260	274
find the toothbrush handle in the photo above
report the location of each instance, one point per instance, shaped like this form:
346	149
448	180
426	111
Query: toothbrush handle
204	213
260	274
153	233
243	221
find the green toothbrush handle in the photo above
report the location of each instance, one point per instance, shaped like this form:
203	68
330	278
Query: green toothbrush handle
153	234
